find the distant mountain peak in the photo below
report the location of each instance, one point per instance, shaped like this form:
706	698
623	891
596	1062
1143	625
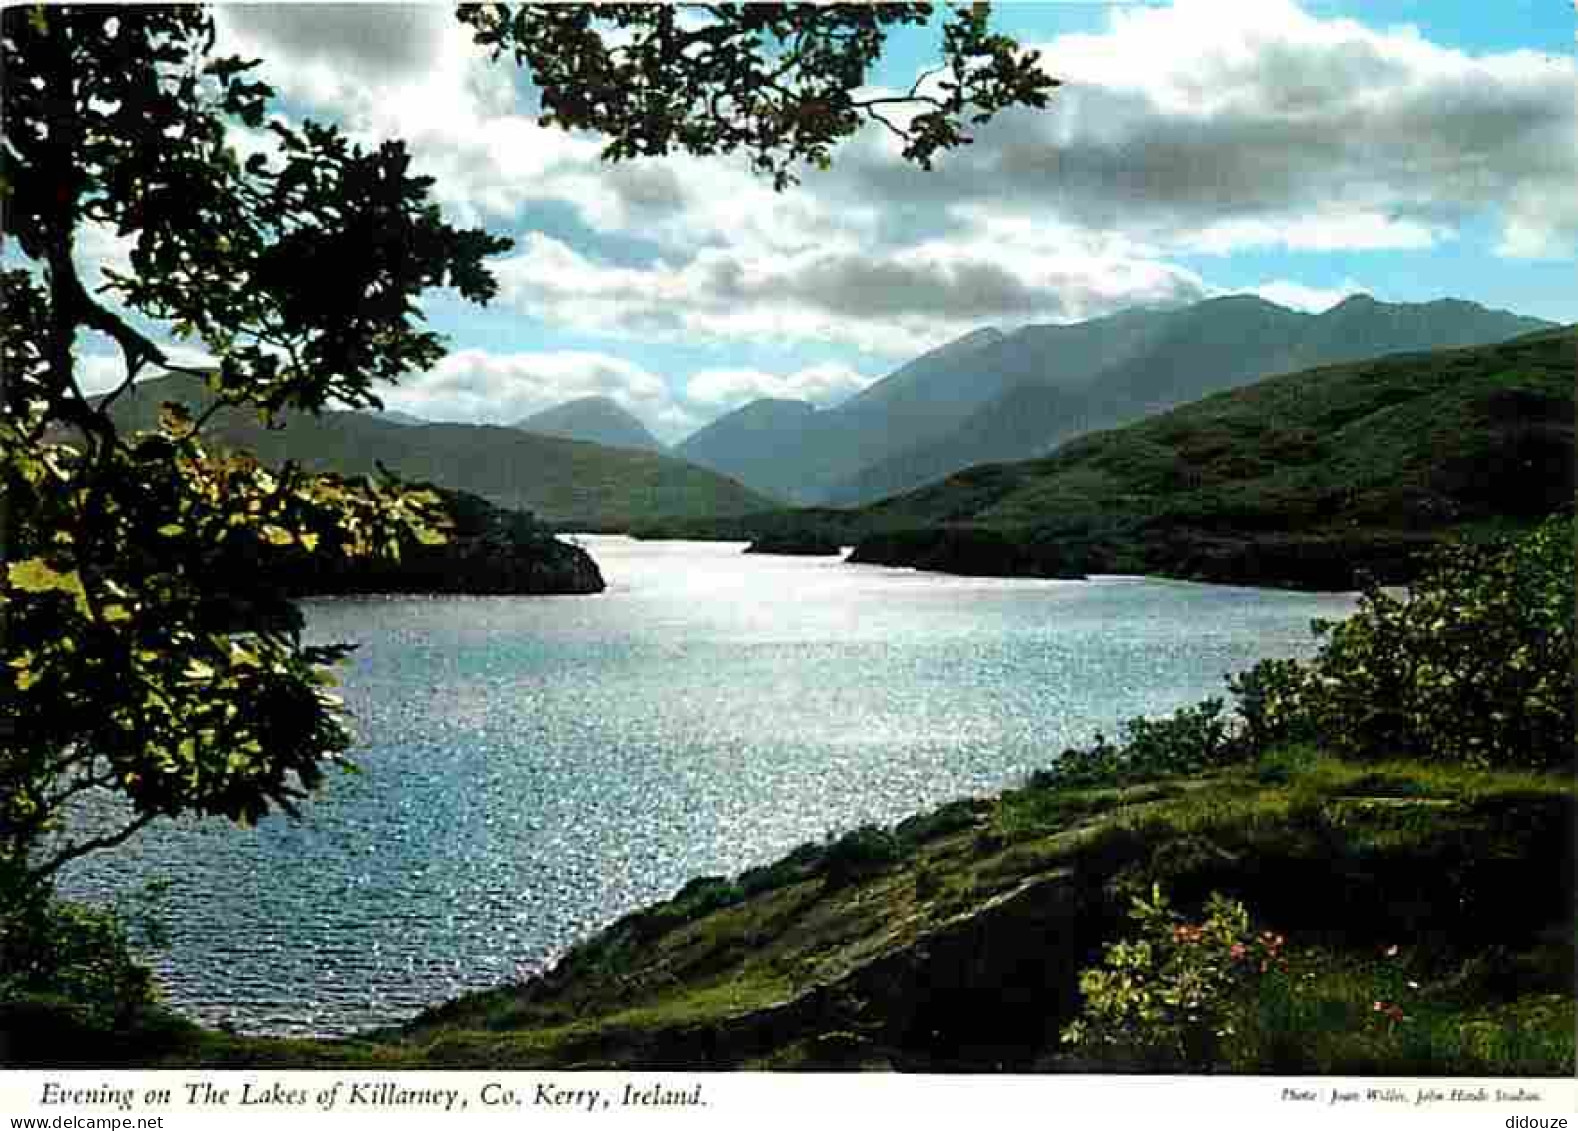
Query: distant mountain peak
1235	301
767	413
791	404
595	403
597	419
982	336
395	416
1441	322
968	343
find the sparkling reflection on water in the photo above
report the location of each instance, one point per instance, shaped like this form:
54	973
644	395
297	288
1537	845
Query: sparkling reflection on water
534	767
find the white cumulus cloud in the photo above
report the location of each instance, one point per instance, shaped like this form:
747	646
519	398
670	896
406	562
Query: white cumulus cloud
1298	296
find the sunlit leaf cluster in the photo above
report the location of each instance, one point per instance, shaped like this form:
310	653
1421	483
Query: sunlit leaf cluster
149	666
146	651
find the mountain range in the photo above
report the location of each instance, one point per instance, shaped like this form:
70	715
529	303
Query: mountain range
988	397
570	484
1305	478
803	455
991	396
752	440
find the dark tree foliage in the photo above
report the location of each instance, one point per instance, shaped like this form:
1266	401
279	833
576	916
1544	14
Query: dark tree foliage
141	665
784	83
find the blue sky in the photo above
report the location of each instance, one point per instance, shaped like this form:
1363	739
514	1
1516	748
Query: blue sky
1412	149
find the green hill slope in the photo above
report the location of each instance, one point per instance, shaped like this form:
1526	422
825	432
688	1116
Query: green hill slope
1301	479
568	483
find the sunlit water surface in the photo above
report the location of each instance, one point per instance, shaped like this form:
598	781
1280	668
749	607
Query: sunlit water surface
535	767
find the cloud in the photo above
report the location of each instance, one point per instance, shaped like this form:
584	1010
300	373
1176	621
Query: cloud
1213	127
412	72
480	386
896	306
1332	231
372	40
96	249
687	204
1298	296
1200	129
501	388
730	259
100	366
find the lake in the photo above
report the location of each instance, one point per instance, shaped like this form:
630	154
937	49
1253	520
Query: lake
531	768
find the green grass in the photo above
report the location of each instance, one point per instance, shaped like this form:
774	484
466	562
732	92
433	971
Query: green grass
1322	1016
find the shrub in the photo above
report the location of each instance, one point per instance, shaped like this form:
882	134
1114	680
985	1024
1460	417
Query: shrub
1476	667
1100	763
1190	740
73	956
707	894
801	864
1473	667
1167	998
864	852
1272	705
953	817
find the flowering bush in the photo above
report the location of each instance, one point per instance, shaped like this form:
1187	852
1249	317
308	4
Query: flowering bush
1167	997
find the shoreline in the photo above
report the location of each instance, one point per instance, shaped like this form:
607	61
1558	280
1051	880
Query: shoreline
1037	864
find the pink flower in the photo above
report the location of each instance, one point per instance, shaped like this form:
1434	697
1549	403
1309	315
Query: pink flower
1393	1013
